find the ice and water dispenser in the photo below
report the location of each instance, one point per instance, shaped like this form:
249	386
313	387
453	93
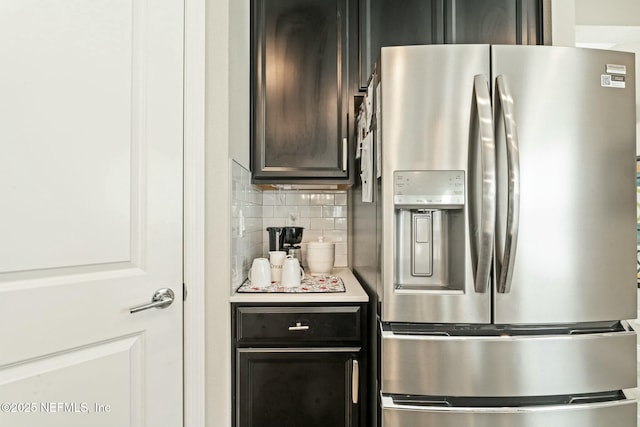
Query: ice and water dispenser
429	230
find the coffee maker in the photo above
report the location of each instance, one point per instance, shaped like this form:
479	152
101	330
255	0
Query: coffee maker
286	239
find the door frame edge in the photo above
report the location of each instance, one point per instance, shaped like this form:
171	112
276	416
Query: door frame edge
194	400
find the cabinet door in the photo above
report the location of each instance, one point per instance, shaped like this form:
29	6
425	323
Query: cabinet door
299	90
396	23
297	387
493	21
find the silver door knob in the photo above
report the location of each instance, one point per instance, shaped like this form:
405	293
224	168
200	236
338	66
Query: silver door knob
161	299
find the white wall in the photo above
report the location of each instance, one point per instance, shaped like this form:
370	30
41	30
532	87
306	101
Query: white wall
563	22
602	24
239	98
608	12
227	138
218	91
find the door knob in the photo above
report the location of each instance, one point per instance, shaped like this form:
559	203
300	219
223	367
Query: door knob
161	299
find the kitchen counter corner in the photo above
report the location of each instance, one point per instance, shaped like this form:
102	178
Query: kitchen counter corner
353	293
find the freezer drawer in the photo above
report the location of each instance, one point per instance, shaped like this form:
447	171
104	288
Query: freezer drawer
507	365
619	413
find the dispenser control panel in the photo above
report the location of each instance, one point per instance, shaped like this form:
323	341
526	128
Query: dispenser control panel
440	189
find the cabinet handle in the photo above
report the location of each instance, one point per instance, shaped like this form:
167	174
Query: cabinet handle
299	327
355	376
345	154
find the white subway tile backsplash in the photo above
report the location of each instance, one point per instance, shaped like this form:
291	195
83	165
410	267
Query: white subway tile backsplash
321	199
306	224
335	235
252	211
267	211
341	199
311	235
284	211
320	213
253	196
246	224
297	199
334	211
274	222
273	198
322	224
310	211
236	190
253	224
341	261
293	219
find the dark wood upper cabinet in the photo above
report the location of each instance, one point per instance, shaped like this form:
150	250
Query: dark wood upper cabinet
410	22
300	91
310	59
492	21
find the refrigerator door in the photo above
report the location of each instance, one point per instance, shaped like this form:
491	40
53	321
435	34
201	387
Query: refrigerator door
435	108
565	234
617	413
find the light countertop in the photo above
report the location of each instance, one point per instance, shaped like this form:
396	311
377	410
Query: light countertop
353	293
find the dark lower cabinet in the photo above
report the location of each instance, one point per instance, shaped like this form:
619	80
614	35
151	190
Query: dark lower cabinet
298	387
300	365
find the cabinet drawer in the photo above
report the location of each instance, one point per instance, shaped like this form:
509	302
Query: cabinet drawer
297	324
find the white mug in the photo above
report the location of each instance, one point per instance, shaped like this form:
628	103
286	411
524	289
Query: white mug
292	273
260	273
276	258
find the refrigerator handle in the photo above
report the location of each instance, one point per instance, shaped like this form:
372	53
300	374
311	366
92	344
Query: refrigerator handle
513	195
482	241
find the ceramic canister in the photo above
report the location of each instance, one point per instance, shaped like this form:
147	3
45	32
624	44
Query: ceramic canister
320	256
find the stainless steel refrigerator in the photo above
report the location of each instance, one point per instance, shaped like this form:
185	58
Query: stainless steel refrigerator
503	260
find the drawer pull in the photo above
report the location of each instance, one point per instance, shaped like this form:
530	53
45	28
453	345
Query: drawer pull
299	327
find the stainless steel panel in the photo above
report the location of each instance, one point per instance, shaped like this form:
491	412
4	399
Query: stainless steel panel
429	189
620	413
427	97
475	366
575	254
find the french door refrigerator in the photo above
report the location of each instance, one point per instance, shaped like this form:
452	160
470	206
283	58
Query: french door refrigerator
506	230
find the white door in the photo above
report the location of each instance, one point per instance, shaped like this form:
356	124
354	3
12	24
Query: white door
90	212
